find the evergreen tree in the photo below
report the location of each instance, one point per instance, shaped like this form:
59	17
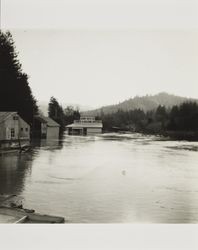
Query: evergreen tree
55	111
160	113
15	92
184	117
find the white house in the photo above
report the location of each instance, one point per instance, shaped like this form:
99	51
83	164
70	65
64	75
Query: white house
85	126
13	130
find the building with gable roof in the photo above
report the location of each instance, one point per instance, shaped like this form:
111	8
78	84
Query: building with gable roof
14	131
46	128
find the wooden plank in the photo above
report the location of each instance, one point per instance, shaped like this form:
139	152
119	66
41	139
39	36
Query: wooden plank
34	217
21	220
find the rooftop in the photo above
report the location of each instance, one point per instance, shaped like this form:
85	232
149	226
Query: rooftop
4	115
50	122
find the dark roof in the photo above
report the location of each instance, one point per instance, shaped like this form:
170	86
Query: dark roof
50	122
5	115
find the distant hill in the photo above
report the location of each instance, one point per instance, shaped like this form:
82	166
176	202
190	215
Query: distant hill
146	103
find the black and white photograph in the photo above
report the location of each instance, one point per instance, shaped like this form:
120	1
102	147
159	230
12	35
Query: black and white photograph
99	112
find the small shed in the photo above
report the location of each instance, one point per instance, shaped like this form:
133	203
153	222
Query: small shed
85	126
45	127
53	128
13	130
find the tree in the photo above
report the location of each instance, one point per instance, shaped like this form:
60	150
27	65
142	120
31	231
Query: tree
71	114
55	111
184	117
15	92
173	116
161	114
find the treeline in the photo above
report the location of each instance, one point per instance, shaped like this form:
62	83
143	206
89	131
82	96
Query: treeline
60	115
183	117
15	92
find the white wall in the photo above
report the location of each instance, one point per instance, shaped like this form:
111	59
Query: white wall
9	124
24	129
52	132
94	131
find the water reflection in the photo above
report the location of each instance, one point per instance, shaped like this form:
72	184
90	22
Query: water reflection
48	144
13	170
16	167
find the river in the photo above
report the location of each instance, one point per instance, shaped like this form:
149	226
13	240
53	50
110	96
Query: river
110	178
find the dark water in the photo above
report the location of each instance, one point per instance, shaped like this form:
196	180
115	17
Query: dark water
126	178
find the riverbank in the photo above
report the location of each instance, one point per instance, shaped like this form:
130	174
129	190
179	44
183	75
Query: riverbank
182	135
170	135
175	135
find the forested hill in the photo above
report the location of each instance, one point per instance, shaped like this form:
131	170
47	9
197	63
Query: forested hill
145	103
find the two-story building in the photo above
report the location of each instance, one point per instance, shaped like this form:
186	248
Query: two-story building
14	131
85	126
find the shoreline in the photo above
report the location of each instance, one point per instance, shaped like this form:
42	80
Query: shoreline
171	135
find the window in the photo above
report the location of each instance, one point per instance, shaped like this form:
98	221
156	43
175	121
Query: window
12	132
26	129
21	129
15	117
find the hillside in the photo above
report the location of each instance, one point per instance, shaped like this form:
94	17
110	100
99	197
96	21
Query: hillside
146	103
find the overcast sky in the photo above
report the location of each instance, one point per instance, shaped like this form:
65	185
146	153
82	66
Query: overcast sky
102	52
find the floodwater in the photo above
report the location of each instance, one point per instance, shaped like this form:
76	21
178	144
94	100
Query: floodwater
110	178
